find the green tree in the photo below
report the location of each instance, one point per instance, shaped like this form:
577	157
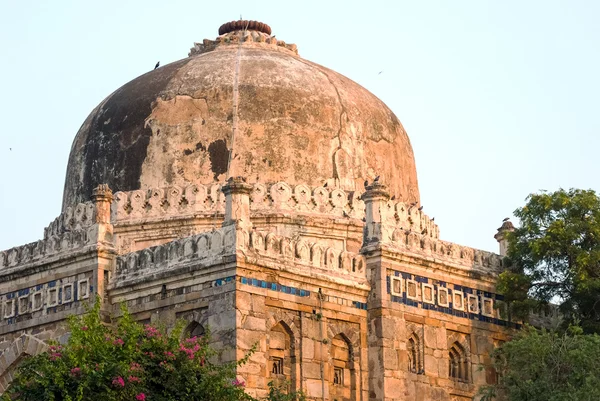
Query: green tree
540	365
126	361
555	256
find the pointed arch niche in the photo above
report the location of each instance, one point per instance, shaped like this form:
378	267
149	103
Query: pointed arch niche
342	380
414	351
281	356
458	367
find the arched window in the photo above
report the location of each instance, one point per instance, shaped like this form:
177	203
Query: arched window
194	329
342	375
459	363
281	362
413	350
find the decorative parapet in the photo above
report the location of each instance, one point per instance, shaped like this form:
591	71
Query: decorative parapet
318	255
85	224
48	247
304	199
172	201
75	218
198	198
209	246
205	246
383	216
446	252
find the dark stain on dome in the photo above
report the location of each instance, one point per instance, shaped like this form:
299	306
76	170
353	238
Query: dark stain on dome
219	157
114	146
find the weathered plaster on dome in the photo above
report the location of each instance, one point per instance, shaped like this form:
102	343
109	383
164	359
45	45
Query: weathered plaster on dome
296	121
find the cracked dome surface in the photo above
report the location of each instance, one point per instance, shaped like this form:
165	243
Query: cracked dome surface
296	121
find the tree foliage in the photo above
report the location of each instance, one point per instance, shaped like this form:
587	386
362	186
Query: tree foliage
540	365
555	256
126	361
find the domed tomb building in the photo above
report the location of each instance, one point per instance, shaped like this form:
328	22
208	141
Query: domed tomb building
250	191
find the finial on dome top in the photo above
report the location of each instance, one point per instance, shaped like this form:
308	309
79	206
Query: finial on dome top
247	33
244	25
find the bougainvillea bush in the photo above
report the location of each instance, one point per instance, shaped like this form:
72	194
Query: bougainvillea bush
126	361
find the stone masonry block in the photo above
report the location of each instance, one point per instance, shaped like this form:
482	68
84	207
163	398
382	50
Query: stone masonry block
255	323
390	359
394	388
312	370
430	334
431	365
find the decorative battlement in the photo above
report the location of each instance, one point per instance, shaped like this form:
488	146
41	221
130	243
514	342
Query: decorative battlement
445	251
177	253
315	254
198	198
222	242
85	224
75	218
304	199
53	245
172	201
246	32
277	197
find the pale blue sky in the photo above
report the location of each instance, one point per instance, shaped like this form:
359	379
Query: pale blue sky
499	99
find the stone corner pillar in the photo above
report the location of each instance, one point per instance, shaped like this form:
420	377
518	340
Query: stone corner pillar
375	197
237	202
102	197
101	233
501	235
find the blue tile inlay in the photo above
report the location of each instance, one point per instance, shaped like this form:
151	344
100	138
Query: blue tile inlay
275	287
448	310
221	281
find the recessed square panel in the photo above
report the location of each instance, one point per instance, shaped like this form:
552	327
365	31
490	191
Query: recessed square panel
428	293
443	297
487	306
83	289
473	303
9	308
23	304
52	297
38	301
458	300
412	290
67	293
396	286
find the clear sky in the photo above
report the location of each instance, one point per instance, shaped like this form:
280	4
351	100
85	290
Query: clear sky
499	98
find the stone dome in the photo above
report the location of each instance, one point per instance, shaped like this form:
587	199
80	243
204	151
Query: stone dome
283	118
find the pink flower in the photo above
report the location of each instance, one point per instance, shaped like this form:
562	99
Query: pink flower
75	371
133	379
134	367
118	341
151	331
55	355
84	328
118	382
140	397
238	383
